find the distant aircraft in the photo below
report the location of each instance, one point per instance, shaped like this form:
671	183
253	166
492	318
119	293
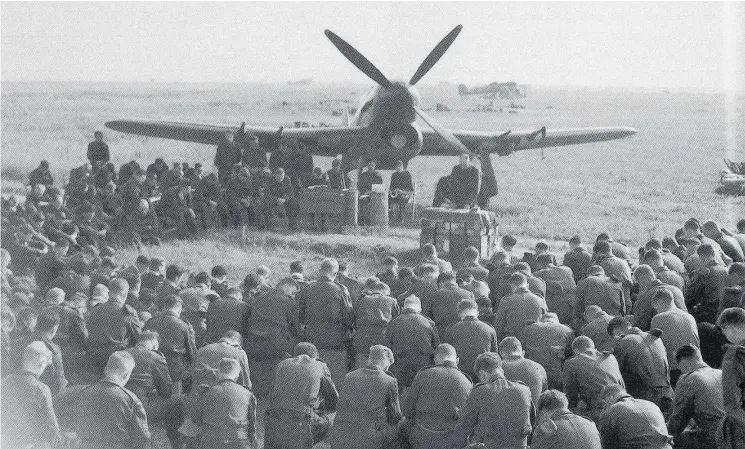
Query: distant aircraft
384	127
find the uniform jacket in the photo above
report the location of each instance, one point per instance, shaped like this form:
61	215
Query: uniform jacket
150	374
98	151
326	310
601	291
733	383
413	338
470	337
498	413
226	155
225	314
619	269
273	326
706	290
563	430
466	183
374	312
633	423
561	290
27	412
226	411
436	398
516	311
529	372
597	330
367	411
312	386
678	329
578	260
113	326
110	416
444	306
73	331
208	359
698	395
586	375
642	360
176	342
643	310
54	375
670	277
548	344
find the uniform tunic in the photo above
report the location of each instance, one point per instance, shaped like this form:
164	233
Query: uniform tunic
563	429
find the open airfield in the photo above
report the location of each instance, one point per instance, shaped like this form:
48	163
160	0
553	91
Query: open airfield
634	188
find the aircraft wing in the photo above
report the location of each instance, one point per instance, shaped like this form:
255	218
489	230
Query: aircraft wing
505	142
321	140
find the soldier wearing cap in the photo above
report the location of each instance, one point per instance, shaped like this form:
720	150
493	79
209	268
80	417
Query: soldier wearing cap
413	338
368	413
327	313
470	336
558	428
298	417
106	414
433	403
176	339
498	413
272	332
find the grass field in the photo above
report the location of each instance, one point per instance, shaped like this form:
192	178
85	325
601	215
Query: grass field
634	188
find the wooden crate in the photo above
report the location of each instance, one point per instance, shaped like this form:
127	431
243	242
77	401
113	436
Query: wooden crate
452	231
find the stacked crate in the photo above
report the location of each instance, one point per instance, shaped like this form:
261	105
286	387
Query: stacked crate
339	205
453	230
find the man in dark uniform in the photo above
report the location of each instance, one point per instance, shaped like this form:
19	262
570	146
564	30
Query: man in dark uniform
300	167
707	286
112	326
549	343
365	183
374	311
279	196
698	396
338	179
413	338
226	411
107	414
559	428
518	309
444	307
465	183
41	175
578	259
227	154
327	313
642	360
46	327
297	417
208	358
254	157
400	191
498	413
630	422
98	151
368	413
28	416
353	285
225	313
176	339
517	368
241	190
433	402
470	336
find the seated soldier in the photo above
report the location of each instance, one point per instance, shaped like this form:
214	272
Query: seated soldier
143	226
240	192
177	207
91	230
210	200
111	204
41	175
159	167
401	190
279	197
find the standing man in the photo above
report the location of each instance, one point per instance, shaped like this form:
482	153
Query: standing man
400	191
107	414
412	338
433	403
465	182
326	311
98	151
368	414
364	185
227	155
498	413
296	417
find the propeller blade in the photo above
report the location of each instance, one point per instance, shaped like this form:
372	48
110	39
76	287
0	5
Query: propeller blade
357	59
435	55
455	144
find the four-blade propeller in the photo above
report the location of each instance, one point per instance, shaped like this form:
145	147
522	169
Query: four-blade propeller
489	182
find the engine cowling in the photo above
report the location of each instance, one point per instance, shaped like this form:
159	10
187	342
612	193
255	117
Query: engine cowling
402	137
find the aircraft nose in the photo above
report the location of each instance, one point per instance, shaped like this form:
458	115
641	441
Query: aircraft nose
626	131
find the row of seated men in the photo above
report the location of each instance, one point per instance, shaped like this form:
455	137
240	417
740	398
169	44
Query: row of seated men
639	382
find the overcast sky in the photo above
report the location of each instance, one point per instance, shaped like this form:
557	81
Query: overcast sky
677	45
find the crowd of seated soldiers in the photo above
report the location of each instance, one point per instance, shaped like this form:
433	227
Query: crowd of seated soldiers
598	349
